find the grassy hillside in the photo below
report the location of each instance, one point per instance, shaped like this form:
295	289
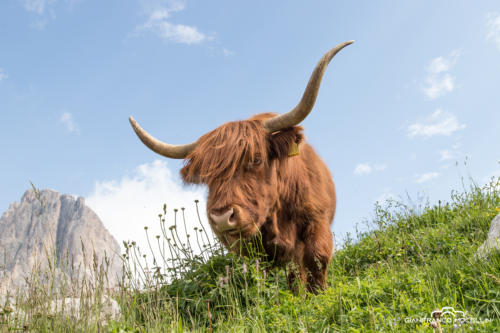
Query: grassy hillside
413	261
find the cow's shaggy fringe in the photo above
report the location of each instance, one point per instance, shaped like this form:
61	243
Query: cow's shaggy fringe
214	158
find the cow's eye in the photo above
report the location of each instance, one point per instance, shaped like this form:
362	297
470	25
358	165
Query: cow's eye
257	160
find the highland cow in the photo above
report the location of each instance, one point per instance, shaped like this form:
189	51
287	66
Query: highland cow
263	178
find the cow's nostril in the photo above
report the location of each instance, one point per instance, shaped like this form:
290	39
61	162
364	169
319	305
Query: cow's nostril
231	218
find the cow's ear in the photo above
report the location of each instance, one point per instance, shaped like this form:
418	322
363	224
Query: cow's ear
285	143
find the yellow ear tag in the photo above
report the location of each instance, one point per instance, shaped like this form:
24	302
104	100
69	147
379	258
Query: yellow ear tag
294	149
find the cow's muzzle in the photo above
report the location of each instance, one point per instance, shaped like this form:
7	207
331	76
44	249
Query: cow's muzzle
224	221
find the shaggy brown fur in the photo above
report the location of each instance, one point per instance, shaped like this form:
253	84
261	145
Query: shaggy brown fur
289	199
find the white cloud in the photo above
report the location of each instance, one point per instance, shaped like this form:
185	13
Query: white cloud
362	169
159	13
450	154
425	177
437	86
438	123
178	33
439	65
445	155
228	52
42	10
37	6
365	168
493	28
3	76
68	121
439	81
130	203
149	6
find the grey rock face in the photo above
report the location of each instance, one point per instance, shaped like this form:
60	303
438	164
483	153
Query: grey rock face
492	243
45	225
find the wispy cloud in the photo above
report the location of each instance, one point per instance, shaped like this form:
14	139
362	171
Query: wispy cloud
493	28
438	123
3	75
159	22
149	6
228	52
42	10
67	120
445	155
362	169
439	81
425	177
451	153
128	203
37	6
366	168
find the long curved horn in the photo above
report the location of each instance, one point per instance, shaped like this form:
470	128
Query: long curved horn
162	148
300	112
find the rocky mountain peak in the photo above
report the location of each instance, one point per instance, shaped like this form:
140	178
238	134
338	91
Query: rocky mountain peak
46	223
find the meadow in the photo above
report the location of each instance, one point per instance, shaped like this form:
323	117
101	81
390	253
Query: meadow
414	258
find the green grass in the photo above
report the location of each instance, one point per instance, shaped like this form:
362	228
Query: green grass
411	262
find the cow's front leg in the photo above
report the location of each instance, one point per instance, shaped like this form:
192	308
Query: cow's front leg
317	255
297	274
280	241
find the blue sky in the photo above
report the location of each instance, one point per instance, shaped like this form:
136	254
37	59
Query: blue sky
399	112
